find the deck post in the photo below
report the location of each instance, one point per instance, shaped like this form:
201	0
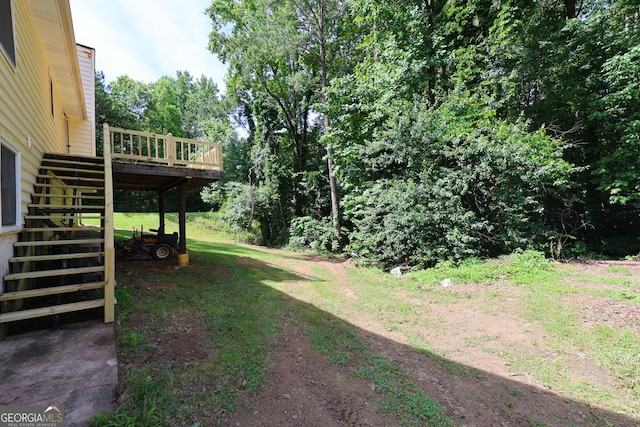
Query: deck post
109	249
183	219
172	149
161	212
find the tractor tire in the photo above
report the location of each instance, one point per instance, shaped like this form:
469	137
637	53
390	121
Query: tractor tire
162	251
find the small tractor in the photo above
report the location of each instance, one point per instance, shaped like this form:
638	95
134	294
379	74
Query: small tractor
144	245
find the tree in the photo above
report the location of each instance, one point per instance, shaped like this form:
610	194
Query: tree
108	111
274	50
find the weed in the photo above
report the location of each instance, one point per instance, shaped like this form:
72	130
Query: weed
331	337
146	399
131	342
399	395
534	423
514	391
618	269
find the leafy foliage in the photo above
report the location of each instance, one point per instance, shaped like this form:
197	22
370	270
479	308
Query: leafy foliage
309	233
454	128
469	185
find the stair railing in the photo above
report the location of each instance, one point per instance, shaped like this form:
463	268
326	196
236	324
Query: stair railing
109	246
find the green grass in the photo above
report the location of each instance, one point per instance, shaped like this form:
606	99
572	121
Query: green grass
240	306
397	394
243	300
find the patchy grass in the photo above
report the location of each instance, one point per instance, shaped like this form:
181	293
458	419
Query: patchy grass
196	344
399	397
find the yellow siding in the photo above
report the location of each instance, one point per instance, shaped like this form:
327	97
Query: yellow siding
83	132
25	109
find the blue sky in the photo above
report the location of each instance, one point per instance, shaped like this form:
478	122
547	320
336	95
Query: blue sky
147	39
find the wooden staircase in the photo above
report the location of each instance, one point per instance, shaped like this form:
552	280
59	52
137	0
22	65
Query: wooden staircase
59	265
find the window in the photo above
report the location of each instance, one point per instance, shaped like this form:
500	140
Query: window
6	31
9	178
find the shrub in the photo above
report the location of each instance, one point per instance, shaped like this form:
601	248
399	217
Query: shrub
309	233
473	186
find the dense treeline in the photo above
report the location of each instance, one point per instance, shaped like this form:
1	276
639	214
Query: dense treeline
181	105
417	130
453	128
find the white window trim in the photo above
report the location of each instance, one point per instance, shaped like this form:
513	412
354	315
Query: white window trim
18	160
5	54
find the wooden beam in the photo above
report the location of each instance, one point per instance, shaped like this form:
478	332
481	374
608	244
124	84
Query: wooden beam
109	246
161	213
183	220
175	184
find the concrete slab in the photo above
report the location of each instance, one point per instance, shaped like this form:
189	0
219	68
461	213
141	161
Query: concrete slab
73	367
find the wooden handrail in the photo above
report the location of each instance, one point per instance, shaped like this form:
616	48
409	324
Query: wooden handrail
145	147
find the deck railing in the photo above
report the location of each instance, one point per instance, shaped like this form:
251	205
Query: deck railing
144	147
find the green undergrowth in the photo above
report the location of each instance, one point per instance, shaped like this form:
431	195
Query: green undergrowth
521	267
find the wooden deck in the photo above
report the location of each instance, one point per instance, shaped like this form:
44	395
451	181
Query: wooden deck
149	161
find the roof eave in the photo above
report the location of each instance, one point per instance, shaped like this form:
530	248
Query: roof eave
55	27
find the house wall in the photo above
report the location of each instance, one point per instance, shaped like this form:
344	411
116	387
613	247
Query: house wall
83	132
26	122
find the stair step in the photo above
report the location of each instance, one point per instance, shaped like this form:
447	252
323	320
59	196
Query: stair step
66	208
61	217
35	230
55	290
58	242
74	186
67	196
54	273
86	159
75	164
71	178
47	311
72	170
34	258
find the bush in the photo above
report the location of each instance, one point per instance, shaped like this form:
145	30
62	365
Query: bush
309	233
213	194
473	186
238	212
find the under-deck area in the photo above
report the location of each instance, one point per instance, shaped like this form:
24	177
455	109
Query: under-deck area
162	163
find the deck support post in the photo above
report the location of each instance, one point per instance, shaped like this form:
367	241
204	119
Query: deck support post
183	219
161	212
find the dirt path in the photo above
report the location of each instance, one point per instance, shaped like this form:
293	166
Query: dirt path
472	380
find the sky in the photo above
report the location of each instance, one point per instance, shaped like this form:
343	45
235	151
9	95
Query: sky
147	39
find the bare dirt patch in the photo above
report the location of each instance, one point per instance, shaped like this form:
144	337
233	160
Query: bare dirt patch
304	389
601	311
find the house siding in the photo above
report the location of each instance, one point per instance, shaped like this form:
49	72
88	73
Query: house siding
25	112
83	132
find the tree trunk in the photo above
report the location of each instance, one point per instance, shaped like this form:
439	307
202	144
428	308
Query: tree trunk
333	185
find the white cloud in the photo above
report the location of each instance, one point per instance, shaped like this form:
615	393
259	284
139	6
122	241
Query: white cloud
147	39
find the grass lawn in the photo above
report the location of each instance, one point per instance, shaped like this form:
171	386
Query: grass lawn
254	336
